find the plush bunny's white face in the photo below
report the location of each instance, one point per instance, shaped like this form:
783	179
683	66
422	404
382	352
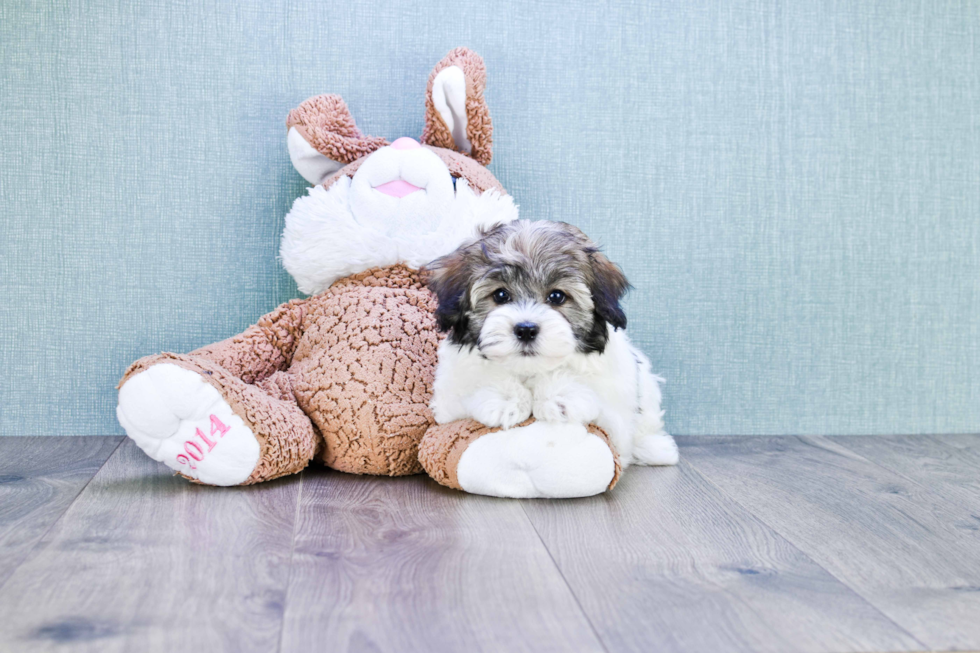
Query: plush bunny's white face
373	204
402	184
401	206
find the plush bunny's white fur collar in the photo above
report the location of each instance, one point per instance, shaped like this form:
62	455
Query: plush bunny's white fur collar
323	240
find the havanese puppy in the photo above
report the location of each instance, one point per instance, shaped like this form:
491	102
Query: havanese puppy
535	327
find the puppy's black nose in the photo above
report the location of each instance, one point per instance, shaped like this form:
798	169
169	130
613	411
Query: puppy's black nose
526	331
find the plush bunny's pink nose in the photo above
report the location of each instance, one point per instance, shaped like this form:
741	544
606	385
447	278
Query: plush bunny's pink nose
405	143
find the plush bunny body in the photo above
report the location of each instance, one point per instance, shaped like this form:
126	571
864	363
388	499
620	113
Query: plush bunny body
345	376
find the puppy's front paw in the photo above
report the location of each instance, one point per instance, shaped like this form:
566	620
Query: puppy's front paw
570	402
493	408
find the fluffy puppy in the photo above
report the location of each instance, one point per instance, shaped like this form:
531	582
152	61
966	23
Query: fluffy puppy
535	328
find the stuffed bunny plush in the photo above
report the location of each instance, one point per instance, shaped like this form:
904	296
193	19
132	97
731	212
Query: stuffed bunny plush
345	376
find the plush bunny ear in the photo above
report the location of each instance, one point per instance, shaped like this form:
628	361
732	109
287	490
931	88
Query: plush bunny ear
456	114
323	138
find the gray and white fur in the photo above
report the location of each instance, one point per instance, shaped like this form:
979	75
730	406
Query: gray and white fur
535	327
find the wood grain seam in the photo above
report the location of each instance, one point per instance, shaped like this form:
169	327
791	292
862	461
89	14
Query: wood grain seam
792	543
938	440
289	566
561	574
40	540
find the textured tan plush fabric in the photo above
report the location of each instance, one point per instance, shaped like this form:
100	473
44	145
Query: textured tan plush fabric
617	465
345	375
461	165
347	171
479	129
287	439
363	370
262	349
444	444
327	125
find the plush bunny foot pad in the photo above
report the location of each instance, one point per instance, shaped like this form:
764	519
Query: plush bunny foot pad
537	461
179	419
534	460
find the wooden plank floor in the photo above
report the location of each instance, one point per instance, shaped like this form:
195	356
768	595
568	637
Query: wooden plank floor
39	478
751	544
907	549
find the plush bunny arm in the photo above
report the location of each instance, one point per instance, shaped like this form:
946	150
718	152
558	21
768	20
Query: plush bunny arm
262	349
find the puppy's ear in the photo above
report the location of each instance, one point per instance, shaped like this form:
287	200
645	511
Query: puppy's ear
448	278
608	287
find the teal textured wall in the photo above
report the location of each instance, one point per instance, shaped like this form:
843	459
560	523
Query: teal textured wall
793	188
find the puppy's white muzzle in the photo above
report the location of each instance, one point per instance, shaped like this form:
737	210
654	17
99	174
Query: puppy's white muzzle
531	331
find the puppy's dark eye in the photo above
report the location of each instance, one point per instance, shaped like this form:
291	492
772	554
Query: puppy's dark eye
556	298
501	296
